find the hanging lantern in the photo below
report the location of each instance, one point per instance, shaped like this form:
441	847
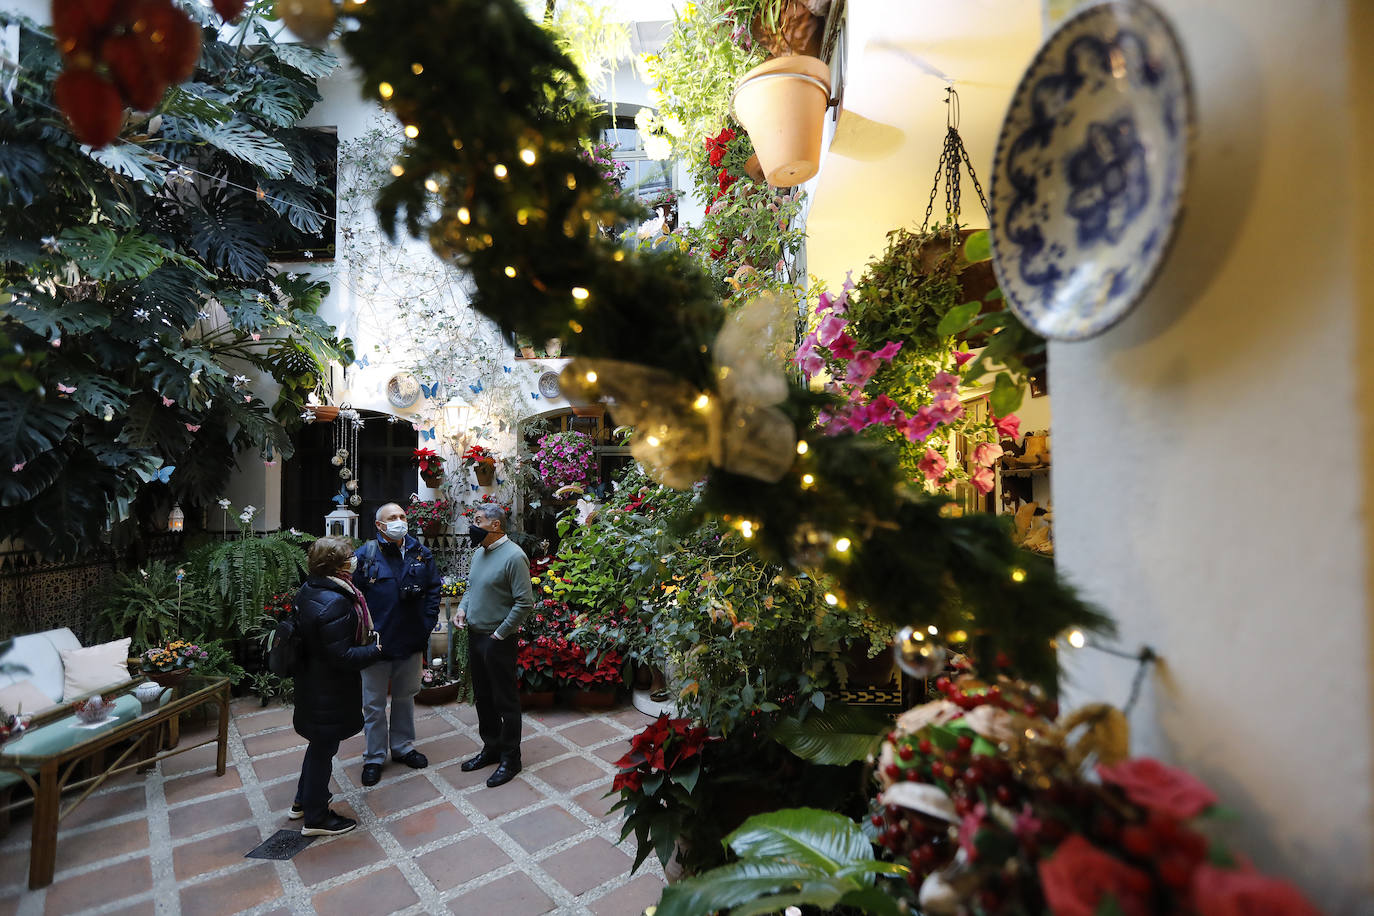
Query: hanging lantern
176	519
341	523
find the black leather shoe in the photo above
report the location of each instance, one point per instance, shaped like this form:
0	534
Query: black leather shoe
372	774
413	759
481	760
332	825
504	773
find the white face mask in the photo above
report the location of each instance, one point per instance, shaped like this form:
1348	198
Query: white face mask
352	564
396	529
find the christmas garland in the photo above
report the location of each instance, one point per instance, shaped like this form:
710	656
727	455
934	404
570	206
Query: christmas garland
493	175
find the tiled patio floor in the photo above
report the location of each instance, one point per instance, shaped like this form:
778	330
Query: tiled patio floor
429	841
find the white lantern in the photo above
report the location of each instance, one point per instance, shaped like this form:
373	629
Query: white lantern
176	519
342	522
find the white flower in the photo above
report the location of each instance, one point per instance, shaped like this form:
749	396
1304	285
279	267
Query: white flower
109	413
674	126
644	120
224	504
141	314
649	228
657	147
239	381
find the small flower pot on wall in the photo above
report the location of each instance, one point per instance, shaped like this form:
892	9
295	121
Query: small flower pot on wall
325	413
782	104
432	480
486	472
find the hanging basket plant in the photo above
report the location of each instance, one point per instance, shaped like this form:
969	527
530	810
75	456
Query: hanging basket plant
431	466
789	27
483	465
566	459
323	413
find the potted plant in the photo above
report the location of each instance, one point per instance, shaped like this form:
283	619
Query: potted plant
566	459
169	663
656	782
431	466
436	686
535	669
429	516
483	464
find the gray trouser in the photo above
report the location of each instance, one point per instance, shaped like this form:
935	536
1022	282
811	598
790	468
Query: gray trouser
402	675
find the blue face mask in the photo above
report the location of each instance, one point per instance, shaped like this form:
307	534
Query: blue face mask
477	535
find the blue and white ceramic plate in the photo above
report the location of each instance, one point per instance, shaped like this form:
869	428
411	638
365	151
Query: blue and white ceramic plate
1087	185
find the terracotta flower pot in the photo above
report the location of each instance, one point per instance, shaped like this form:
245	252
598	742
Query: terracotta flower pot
753	169
485	471
798	31
325	413
432	529
588	698
432	479
536	699
168	678
782	104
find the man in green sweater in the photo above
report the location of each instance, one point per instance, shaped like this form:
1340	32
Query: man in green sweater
499	597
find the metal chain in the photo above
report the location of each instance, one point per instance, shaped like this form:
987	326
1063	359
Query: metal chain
952	155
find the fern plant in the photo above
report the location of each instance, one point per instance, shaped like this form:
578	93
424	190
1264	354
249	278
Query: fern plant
244	573
153	605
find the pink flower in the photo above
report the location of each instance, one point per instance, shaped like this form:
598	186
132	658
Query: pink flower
843	347
861	368
968	830
1165	789
889	350
982	479
985	453
1224	892
960	359
1079	875
932	465
947	408
944	383
807	358
831	327
920	425
1009	426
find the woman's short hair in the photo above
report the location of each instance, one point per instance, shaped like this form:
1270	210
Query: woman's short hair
328	555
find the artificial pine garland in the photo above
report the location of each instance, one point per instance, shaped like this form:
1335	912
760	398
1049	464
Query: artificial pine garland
493	176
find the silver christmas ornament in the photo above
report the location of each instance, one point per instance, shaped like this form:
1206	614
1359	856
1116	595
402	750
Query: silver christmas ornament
917	655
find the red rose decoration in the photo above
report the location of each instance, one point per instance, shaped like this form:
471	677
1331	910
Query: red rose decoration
1151	784
1079	875
1227	892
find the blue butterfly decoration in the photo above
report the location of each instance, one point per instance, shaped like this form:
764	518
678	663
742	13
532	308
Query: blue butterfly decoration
341	497
505	368
476	389
163	475
427	433
431	391
361	361
474	488
535	395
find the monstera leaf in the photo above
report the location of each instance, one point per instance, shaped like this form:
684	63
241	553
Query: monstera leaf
247	144
31	425
103	254
837	735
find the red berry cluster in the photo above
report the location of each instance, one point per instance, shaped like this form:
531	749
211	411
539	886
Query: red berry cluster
994	696
120	52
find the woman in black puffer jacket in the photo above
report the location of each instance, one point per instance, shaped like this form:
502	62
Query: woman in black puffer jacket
337	642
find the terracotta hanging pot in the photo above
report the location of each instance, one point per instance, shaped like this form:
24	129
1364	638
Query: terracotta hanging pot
782	104
432	480
485	471
753	169
325	413
799	29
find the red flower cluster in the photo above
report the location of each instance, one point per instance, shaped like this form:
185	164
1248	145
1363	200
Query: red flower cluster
428	461
120	52
662	747
477	453
718	146
278	606
546	656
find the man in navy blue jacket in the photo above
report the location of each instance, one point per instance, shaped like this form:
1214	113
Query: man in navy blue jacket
397	576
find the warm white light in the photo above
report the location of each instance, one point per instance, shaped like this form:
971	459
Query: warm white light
958	636
807	480
842	545
510	271
802	447
933	630
527	156
385	90
652	440
464	215
431	186
412	131
702	402
1077	639
831	599
176	519
499	171
591	378
1018	575
580	293
746	529
398	170
417	69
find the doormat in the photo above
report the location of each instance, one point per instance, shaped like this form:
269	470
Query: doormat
281	845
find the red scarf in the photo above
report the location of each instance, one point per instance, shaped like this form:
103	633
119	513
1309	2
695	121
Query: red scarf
364	629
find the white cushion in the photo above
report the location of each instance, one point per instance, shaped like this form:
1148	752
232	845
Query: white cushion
23	697
86	670
37	655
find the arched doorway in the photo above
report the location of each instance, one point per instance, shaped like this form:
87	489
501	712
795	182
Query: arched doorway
386	472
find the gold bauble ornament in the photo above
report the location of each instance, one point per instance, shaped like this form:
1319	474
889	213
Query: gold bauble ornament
311	20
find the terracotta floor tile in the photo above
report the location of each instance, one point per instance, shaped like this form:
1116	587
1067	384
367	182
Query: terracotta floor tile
447	749
201	784
280	795
232	893
397	792
513	895
587	733
244	706
188	820
115	882
632	718
613	751
278	765
593	802
271	718
270	743
556	717
459	863
105	805
631	899
571	773
589	864
386	891
513	796
434	725
542	827
467	714
329	858
99	843
197	759
202	856
427	825
453	774
537	750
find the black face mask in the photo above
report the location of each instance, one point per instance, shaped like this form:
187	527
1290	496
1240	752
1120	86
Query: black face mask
477	535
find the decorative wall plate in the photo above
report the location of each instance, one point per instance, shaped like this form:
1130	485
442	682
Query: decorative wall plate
1087	184
549	388
402	390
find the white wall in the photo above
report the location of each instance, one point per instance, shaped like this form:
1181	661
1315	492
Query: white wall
1210	487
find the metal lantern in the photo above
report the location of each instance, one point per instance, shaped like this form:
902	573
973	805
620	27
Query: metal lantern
341	523
176	519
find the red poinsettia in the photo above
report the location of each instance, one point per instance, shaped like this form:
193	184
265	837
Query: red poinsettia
428	461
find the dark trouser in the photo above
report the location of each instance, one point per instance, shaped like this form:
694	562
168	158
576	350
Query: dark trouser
312	791
495	694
